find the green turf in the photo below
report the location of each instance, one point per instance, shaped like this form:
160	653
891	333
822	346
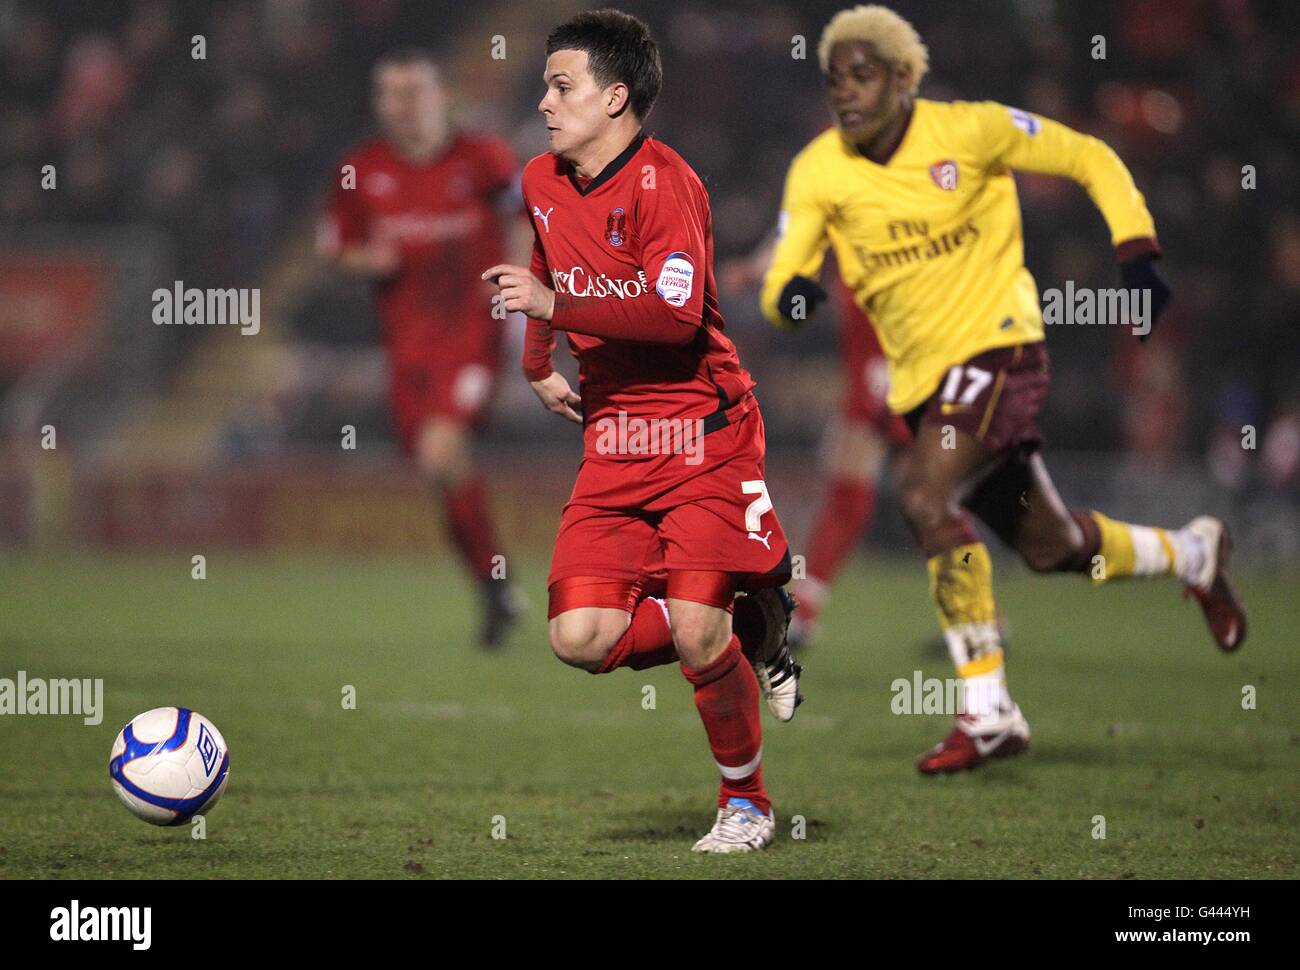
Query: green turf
1136	717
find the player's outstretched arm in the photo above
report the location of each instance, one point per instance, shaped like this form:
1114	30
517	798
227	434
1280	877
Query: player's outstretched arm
1031	143
650	321
671	227
790	292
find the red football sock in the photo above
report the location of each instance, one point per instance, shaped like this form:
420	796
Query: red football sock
726	695
845	513
470	525
647	642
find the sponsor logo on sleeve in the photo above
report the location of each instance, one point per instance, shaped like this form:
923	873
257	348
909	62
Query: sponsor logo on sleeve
675	279
1024	121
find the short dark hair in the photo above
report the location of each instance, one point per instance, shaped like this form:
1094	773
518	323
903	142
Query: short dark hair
406	56
619	48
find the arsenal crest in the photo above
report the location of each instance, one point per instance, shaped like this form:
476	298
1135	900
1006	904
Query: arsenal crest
616	228
944	174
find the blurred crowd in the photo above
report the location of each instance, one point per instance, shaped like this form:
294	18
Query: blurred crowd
220	123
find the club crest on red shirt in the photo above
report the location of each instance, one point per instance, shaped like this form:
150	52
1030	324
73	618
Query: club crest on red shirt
616	227
944	174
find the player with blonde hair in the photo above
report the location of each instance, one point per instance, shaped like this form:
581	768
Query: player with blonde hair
917	199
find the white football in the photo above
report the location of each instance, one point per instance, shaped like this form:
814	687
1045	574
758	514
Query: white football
168	765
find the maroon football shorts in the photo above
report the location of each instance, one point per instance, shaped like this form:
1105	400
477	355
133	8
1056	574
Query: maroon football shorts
636	520
994	397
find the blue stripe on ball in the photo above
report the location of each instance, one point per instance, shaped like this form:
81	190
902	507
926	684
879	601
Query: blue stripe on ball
184	807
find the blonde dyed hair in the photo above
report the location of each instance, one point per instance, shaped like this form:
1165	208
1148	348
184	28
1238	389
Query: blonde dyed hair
893	38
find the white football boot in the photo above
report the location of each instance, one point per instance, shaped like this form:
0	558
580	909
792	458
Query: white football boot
740	827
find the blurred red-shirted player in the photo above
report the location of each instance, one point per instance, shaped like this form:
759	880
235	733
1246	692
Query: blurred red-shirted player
855	452
670	515
862	442
420	210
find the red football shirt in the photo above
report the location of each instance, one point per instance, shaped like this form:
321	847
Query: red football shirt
630	258
445	217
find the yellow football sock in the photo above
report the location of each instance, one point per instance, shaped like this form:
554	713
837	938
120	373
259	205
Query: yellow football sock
961	585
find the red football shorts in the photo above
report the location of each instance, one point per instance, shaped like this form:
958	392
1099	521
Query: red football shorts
424	388
636	520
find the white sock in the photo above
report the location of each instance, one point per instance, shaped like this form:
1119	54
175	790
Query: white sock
1150	557
985	696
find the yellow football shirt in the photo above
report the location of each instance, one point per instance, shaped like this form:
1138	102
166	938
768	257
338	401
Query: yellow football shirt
930	242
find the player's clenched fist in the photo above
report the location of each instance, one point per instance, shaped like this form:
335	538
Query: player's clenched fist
555	393
522	291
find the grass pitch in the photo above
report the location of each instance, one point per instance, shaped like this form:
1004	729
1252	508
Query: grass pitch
1136	717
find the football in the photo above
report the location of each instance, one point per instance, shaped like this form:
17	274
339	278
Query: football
168	765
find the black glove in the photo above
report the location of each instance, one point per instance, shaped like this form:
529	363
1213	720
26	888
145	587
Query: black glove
1141	274
800	286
